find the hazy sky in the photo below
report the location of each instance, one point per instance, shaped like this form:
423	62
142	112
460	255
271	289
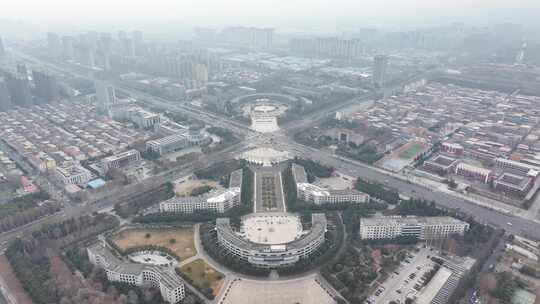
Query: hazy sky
273	12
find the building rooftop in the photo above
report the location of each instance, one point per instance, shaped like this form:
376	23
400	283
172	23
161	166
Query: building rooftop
235	180
410	220
271	229
168	139
432	288
299	174
318	227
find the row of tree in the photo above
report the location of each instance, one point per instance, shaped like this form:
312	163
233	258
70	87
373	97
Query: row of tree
377	190
144	200
29	215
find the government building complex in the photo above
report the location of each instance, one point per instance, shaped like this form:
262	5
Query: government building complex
424	228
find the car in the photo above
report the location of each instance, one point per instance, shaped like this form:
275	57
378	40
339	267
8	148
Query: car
509	224
398	291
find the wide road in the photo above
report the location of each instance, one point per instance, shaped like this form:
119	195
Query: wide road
518	225
512	224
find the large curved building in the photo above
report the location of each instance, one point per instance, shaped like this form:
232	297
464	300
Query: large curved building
170	285
272	240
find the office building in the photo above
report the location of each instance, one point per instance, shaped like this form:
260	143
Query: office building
217	201
19	90
379	70
163	278
319	195
444	283
121	160
168	144
424	228
5	99
47	88
271	240
105	95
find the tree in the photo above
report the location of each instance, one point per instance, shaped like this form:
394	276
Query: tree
133	298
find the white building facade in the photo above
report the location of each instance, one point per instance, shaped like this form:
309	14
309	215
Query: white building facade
165	279
272	255
73	174
121	160
424	228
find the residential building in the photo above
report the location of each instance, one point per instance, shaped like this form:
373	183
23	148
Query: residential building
2	49
424	228
19	90
106	96
379	70
47	88
5	99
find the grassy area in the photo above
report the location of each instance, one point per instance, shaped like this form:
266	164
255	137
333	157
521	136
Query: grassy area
178	240
412	151
203	276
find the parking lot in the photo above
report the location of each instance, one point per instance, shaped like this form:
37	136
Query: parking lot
401	282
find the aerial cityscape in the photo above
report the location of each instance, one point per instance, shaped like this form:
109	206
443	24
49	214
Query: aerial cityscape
379	152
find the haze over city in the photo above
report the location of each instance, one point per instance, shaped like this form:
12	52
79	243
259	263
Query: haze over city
270	152
161	15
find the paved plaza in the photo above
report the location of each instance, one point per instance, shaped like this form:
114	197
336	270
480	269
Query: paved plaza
305	290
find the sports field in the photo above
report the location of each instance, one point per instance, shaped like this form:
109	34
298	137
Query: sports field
411	150
179	240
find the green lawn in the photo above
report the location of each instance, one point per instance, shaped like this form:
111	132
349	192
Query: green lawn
203	275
